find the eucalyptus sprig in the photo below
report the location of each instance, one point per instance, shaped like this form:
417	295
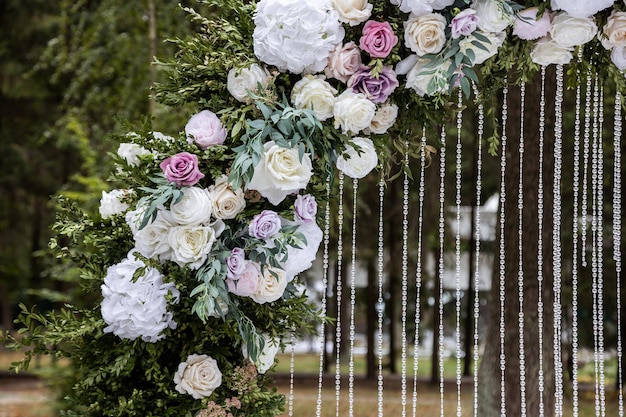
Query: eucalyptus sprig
164	193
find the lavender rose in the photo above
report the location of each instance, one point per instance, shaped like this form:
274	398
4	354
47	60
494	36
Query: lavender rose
264	225
182	169
305	208
378	39
236	263
377	89
463	23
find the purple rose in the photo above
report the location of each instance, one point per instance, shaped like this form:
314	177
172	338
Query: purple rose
236	263
265	225
376	89
305	208
378	39
247	282
206	129
182	169
464	23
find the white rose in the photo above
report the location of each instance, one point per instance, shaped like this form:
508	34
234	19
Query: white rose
301	259
614	32
198	376
280	172
422	78
151	241
384	118
493	16
111	203
315	93
241	82
267	356
568	31
480	54
353	12
192	209
272	285
131	152
547	52
191	244
425	34
358	159
581	8
227	203
618	56
353	112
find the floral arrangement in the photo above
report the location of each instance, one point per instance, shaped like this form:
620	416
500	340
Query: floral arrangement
195	257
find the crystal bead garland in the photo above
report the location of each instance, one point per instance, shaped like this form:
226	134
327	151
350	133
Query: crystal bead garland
586	145
520	246
322	340
292	366
457	245
380	303
418	268
542	125
355	188
404	282
338	296
502	256
556	242
617	233
442	229
479	164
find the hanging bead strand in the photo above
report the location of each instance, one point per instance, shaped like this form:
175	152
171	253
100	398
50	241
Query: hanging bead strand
600	245
542	124
617	233
457	259
380	302
338	297
594	254
586	145
352	334
442	228
404	281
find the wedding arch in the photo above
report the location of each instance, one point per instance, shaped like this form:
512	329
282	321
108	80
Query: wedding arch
344	150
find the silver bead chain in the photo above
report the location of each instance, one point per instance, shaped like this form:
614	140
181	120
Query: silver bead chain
586	145
380	303
352	334
338	297
404	282
292	368
542	124
617	233
457	259
442	228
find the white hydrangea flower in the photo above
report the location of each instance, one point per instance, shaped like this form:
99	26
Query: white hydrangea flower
111	203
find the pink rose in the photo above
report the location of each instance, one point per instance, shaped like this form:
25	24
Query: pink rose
305	208
378	39
528	27
343	61
206	129
464	23
182	169
264	225
377	89
247	282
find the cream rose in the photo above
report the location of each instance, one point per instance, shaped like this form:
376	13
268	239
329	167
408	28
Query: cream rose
227	203
353	112
493	16
480	54
343	61
198	376
425	34
384	118
280	172
313	92
614	32
193	208
272	285
358	159
191	244
241	82
547	52
568	31
353	12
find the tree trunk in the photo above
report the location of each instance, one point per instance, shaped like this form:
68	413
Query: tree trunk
490	372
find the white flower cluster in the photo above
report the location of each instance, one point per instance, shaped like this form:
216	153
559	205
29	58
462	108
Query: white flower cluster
137	307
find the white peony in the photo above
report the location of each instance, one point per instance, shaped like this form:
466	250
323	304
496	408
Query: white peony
480	54
353	112
353	12
131	152
301	259
425	34
198	376
614	31
134	307
358	159
493	15
618	56
227	203
384	118
111	203
280	172
295	35
272	285
569	31
420	7
205	129
194	207
240	82
581	8
315	93
547	52
191	244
